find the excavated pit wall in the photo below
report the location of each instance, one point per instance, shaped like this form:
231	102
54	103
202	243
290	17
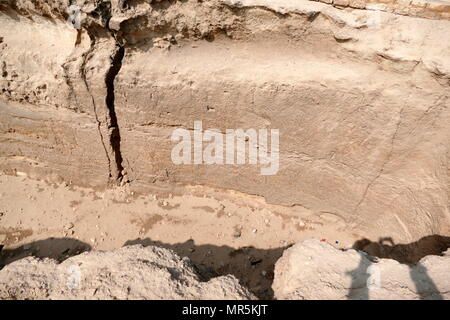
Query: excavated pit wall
362	107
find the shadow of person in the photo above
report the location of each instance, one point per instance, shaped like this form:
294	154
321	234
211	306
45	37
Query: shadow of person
410	255
404	253
425	286
251	266
58	249
359	289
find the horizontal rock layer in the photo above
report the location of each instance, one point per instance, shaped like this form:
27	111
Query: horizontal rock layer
361	104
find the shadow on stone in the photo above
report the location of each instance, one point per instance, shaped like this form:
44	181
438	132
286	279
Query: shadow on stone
408	254
253	267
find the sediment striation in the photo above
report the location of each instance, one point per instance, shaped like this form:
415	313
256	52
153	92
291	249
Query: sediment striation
360	96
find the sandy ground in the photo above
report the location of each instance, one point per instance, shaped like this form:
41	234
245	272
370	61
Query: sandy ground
222	232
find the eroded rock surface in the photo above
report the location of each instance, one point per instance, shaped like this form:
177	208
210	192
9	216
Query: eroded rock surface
316	270
132	272
361	104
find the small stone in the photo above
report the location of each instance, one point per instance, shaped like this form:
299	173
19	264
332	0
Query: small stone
342	36
263	273
237	234
68	226
186	260
357	4
254	261
254	230
341	3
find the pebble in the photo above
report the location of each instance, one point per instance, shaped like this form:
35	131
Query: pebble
237	234
263	273
254	230
301	224
68	226
254	261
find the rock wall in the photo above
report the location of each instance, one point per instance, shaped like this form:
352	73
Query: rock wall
362	107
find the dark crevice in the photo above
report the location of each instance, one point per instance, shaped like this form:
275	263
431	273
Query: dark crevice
99	28
113	127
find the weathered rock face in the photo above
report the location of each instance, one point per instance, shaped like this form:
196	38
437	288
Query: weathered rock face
132	272
361	104
316	270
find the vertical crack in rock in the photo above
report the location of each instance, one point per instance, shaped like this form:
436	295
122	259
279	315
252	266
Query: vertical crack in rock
382	168
97	28
113	126
99	124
